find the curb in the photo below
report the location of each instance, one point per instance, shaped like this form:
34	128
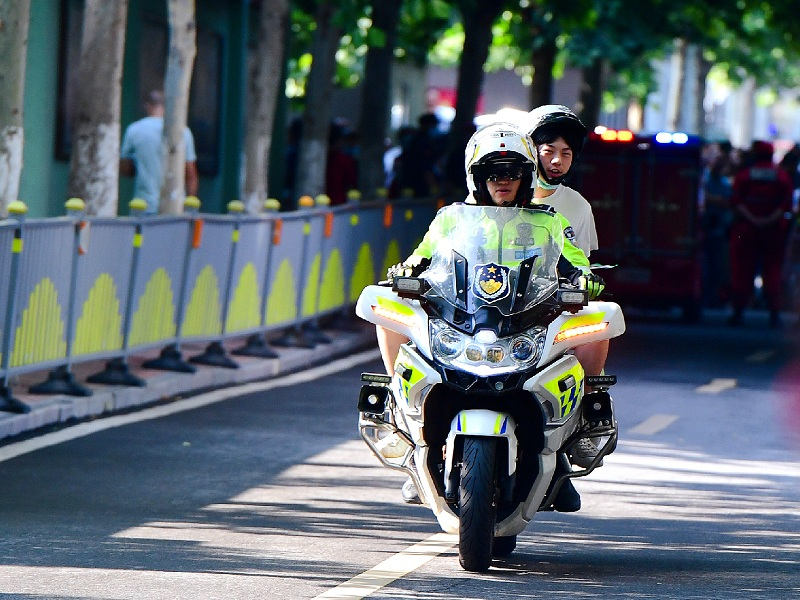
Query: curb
52	411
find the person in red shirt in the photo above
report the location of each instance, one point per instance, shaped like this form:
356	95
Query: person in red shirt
761	201
341	169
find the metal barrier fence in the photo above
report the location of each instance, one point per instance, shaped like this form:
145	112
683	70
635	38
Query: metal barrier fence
85	289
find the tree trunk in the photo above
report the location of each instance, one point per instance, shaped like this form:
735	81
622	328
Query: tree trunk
677	85
376	95
264	88
703	69
14	17
182	50
742	132
317	114
94	164
635	119
542	60
478	19
591	94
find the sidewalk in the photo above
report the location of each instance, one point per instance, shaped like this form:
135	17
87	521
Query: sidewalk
59	410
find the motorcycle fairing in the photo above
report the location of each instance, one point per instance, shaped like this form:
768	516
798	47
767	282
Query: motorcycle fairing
559	404
597	313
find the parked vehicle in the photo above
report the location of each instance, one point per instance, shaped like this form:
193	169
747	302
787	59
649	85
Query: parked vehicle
487	398
644	192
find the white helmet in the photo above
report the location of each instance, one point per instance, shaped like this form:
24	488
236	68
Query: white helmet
551	121
500	146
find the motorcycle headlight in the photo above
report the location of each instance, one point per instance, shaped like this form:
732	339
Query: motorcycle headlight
522	349
484	354
447	343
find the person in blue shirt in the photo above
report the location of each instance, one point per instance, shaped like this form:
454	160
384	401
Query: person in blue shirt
141	157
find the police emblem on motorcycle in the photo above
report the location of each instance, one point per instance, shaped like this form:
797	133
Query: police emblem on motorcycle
491	282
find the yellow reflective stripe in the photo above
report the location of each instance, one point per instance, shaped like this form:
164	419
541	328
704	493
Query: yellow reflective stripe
307	228
235	236
137	240
567	400
16	245
397	307
591	319
498	424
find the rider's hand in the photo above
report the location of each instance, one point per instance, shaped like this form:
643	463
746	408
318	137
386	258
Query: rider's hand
412	267
590	282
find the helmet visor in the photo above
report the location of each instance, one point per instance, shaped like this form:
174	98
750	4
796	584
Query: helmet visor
496	172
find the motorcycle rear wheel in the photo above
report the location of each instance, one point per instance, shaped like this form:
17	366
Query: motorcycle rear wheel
477	503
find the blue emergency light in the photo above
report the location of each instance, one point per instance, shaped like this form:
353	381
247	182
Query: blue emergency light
665	137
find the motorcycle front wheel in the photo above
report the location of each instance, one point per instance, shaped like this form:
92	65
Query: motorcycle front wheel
477	507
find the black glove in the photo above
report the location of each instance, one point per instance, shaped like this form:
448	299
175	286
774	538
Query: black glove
409	268
590	282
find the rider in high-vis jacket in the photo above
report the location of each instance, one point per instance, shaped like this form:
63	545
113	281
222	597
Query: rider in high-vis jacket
500	163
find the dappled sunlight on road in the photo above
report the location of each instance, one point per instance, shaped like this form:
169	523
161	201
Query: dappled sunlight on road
651	481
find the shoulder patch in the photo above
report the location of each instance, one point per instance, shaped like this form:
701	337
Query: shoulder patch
569	233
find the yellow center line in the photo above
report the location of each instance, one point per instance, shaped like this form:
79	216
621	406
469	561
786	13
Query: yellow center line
391	569
715	386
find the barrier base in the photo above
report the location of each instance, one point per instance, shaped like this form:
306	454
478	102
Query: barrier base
346	321
256	346
60	381
294	338
315	334
10	404
215	356
117	373
170	359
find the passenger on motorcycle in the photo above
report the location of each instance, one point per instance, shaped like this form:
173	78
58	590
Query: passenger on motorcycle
501	170
559	136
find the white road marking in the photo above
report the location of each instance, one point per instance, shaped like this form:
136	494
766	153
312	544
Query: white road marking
391	569
761	356
715	386
83	429
654	424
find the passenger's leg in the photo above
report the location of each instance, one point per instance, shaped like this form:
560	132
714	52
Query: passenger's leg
389	343
593	357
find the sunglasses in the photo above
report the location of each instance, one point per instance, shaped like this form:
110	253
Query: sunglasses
509	173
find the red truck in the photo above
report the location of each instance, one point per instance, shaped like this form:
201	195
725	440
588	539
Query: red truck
644	191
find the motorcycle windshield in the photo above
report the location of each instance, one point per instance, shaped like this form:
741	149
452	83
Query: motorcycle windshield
494	256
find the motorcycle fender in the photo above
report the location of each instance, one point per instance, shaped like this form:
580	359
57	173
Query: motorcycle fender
381	306
595	322
482	422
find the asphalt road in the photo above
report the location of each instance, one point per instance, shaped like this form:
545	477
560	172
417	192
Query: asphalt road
269	493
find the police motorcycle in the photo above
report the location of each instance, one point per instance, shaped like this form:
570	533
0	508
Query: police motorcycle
486	397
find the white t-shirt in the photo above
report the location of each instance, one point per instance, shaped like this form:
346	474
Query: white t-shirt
578	212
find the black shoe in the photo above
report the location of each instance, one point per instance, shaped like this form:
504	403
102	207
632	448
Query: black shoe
410	493
568	499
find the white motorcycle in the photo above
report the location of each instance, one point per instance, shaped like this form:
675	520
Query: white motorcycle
486	397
